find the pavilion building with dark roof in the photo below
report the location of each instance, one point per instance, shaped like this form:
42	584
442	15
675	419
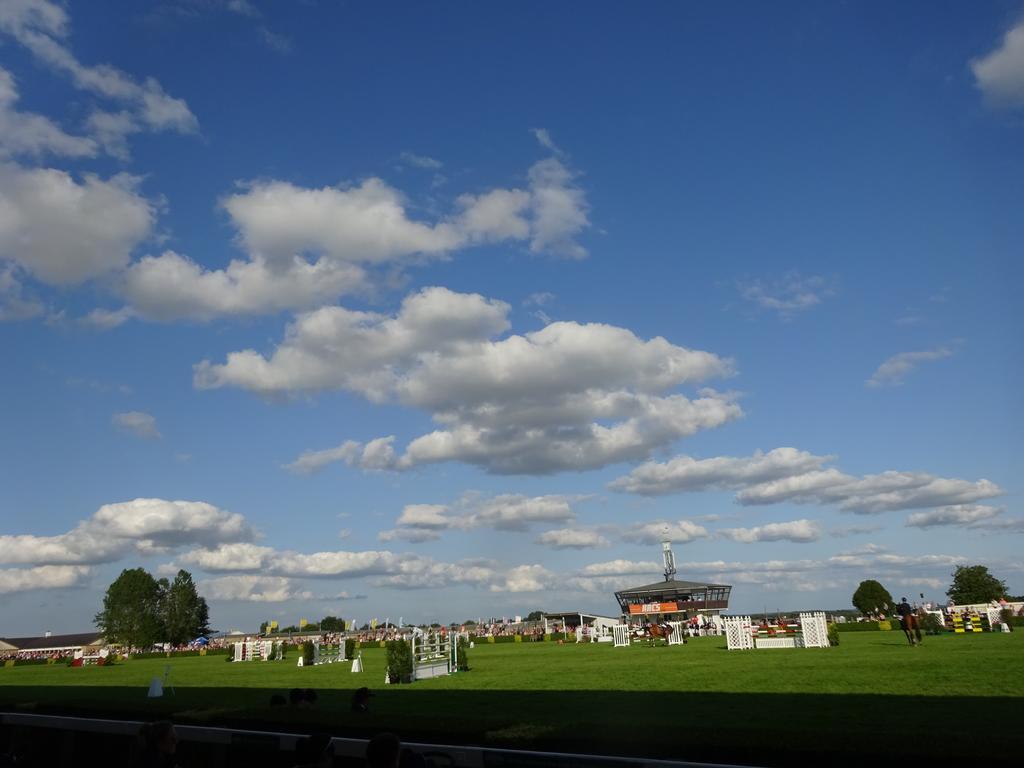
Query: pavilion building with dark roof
671	599
50	643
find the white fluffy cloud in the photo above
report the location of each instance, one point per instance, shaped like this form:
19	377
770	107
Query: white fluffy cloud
679	531
559	210
366	223
572	538
17	580
308	246
623	568
787	474
870	494
568	396
684	473
801	531
63	231
1000	73
137	423
787	295
376	454
30	134
172	286
963	515
41	26
894	370
115	530
525	578
504	512
253	589
382	567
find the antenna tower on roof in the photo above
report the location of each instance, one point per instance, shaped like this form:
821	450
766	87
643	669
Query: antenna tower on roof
668	557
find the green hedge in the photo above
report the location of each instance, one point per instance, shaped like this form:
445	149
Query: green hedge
859	626
181	654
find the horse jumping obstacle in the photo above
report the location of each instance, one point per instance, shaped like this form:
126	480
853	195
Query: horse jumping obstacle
678	634
262	650
81	659
327	654
620	636
740	634
433	654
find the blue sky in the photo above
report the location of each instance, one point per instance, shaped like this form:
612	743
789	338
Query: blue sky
448	311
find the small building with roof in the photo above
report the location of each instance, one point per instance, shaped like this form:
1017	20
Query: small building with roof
672	599
87	642
569	620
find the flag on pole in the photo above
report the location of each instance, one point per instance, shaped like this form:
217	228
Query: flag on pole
373	624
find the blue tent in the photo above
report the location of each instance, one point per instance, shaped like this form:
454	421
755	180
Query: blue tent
200	641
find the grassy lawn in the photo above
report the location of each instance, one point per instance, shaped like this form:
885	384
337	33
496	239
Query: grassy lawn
873	696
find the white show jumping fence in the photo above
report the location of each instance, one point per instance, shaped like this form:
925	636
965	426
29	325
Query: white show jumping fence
740	634
678	634
327	654
92	658
433	654
259	650
620	635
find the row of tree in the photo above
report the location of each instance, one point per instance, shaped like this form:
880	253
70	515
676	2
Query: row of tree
971	584
141	611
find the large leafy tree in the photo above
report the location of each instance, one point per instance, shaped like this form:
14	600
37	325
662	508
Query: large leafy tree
974	584
871	597
185	614
331	624
131	612
535	616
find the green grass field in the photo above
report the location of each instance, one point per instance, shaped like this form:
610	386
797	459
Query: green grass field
871	697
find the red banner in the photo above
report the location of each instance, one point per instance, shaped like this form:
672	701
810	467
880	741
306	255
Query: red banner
654	608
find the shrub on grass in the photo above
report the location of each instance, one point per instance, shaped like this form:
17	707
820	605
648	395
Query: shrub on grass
833	635
931	624
461	657
399	655
307	654
350	648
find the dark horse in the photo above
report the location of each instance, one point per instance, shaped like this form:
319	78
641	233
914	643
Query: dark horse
663	631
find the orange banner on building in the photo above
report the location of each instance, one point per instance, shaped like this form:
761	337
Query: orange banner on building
654	608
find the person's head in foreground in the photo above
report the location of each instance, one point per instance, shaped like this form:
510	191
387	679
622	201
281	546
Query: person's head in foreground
317	750
160	738
383	751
